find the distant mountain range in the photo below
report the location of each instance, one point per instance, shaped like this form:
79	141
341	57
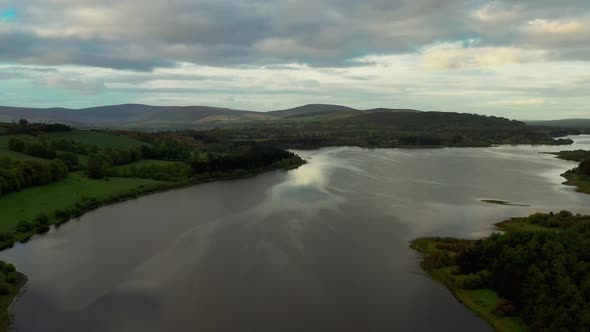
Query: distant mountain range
573	123
137	116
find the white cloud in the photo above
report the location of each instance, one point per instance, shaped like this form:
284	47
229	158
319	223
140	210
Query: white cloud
517	102
542	27
460	55
497	13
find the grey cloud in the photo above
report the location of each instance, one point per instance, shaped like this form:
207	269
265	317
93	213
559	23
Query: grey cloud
140	35
22	47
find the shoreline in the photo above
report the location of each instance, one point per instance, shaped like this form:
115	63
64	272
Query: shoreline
574	180
450	275
479	301
84	206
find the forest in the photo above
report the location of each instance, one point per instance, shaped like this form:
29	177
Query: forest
540	269
391	129
16	174
575	155
579	176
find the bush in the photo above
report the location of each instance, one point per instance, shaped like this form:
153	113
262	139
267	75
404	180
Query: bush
584	167
476	280
70	159
24	226
43	229
504	308
4	289
62	214
6	237
437	260
8	268
12	279
42	219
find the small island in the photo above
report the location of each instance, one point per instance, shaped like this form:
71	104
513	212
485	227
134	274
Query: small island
502	202
534	276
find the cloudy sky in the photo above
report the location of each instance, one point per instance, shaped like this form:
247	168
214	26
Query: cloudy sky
526	59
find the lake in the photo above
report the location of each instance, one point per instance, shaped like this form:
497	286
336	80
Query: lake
320	248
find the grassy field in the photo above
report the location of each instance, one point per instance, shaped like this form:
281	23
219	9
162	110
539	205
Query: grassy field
17	155
522	224
86	137
29	203
481	301
148	162
100	139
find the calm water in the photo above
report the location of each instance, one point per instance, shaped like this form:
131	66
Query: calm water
321	248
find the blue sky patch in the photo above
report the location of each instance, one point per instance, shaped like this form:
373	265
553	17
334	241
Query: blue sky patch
7	14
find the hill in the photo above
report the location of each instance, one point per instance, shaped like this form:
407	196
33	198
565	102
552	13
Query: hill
575	123
147	117
389	129
311	109
132	116
392	110
427	121
138	116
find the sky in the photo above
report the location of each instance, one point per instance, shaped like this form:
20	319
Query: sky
526	59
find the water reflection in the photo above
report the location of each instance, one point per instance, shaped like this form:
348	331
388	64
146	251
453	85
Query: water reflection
323	247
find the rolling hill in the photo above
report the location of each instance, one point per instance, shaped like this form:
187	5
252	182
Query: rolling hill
137	116
133	116
569	123
312	110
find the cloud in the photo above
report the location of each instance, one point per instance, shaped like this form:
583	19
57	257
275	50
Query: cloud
430	54
128	34
77	85
252	32
459	55
557	35
517	102
497	13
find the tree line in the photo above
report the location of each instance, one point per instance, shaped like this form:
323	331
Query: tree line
19	174
100	162
574	155
24	127
171	172
37	148
250	158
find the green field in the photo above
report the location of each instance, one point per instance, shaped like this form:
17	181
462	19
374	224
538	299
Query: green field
17	155
148	162
85	137
483	302
522	225
100	139
29	203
